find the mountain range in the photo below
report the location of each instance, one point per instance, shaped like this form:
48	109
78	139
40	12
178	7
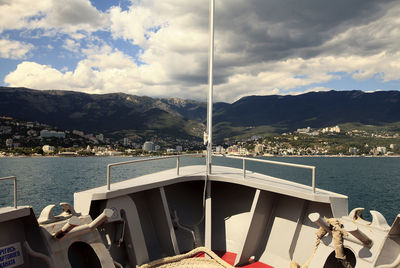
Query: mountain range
119	114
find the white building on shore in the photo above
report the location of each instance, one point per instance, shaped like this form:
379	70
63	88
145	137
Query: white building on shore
148	146
48	149
52	134
335	129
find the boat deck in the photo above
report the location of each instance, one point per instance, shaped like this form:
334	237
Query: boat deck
219	173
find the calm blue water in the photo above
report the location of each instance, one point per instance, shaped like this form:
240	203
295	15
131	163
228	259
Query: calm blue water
372	183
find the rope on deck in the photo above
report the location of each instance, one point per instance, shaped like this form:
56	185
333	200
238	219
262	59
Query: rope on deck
337	233
188	260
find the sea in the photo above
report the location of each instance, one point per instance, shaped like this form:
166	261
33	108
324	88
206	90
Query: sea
372	183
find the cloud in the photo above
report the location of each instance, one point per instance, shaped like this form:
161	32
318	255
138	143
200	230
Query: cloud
109	71
369	38
37	76
16	14
285	76
312	89
10	49
262	47
71	45
73	16
66	16
106	70
135	24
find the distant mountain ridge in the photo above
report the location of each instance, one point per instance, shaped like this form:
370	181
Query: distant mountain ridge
105	113
120	113
315	109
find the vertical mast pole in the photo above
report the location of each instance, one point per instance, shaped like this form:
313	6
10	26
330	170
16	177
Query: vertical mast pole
210	87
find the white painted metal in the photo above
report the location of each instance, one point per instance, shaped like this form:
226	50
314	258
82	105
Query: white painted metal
312	168
208	216
220	173
244	159
395	264
10	213
258	219
109	166
59	248
208	200
244	168
316	218
273	228
134	237
210	87
15	187
351	228
177	165
169	221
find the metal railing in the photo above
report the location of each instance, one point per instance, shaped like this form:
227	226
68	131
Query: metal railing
15	187
109	166
244	159
312	168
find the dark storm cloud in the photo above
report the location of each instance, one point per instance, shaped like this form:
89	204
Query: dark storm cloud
271	30
255	31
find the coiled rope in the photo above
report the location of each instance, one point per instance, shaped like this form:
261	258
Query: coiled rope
188	260
337	233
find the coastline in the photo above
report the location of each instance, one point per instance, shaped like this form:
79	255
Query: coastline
341	156
149	155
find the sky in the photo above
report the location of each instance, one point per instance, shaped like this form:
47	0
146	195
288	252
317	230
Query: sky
159	48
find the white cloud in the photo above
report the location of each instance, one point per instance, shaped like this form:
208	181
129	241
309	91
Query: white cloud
133	24
285	76
107	70
73	15
262	47
98	73
71	45
312	89
37	76
16	14
10	49
65	16
177	52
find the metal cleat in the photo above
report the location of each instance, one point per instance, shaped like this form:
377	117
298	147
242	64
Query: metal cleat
356	213
75	227
362	237
356	216
107	213
47	216
71	224
67	211
379	221
316	218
